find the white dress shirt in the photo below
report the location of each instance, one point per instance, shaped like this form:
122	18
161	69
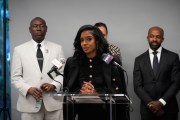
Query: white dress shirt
151	59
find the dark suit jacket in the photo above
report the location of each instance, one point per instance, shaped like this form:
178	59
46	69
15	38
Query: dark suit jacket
165	85
113	76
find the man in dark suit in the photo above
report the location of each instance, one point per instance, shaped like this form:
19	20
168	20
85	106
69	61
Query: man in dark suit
157	78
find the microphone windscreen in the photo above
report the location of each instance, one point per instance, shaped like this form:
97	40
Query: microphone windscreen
57	63
107	58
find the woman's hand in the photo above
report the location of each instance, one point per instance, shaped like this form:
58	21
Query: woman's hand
87	88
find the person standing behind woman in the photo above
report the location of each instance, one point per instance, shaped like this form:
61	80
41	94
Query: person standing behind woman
114	50
86	73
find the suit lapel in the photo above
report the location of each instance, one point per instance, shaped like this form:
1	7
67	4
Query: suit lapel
162	61
46	55
148	63
32	54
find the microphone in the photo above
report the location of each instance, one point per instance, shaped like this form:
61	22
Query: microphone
57	65
107	58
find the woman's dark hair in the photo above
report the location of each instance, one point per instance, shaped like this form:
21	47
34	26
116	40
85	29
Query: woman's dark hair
102	44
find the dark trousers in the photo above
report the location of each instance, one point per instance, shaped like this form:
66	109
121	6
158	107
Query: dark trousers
167	116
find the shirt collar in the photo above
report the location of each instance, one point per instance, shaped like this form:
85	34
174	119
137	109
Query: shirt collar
35	43
158	50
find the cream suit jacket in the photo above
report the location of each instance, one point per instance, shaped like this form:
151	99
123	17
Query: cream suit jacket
25	73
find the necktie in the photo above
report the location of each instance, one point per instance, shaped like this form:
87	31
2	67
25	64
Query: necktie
39	56
155	62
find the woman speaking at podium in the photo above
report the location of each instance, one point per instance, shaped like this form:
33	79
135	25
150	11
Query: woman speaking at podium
87	73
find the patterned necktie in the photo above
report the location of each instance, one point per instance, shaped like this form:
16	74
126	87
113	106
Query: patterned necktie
155	62
39	56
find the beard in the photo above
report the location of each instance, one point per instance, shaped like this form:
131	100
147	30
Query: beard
154	47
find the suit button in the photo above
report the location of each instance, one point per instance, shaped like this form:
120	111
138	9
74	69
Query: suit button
117	88
114	79
90	76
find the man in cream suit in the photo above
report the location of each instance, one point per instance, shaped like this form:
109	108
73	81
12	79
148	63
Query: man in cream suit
36	89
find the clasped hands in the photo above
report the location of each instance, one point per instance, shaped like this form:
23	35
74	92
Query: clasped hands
37	93
155	107
87	88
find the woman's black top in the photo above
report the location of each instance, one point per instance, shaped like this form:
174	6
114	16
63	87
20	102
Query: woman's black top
91	70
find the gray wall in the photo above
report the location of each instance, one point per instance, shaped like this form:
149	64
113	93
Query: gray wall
127	21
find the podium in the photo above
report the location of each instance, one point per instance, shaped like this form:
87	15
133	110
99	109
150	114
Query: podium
108	103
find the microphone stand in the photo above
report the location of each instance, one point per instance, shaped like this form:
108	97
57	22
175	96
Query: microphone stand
57	73
128	108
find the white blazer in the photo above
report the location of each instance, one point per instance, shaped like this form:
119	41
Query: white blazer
25	73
